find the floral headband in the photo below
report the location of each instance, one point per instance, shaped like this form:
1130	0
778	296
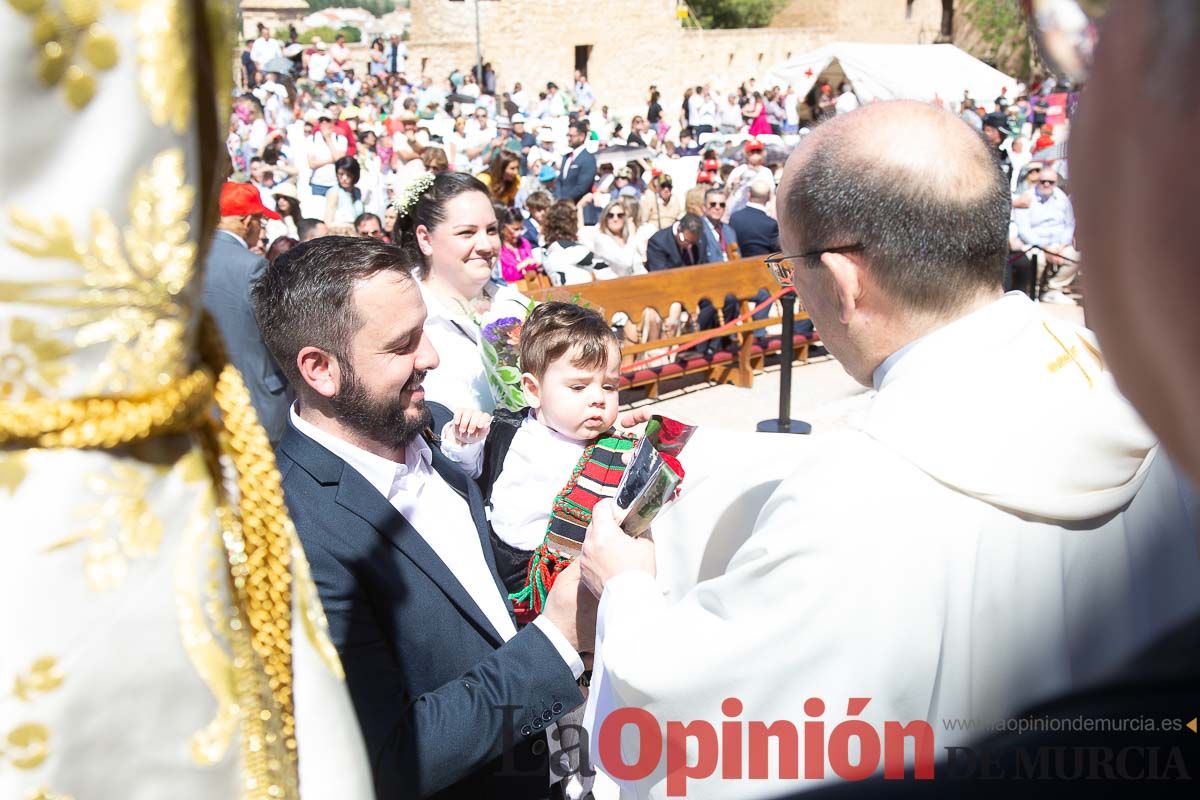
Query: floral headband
407	201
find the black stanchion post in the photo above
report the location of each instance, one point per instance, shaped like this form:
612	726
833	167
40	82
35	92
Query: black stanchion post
784	422
1034	284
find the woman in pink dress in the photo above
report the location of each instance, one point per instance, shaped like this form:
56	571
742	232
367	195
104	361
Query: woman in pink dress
515	250
761	124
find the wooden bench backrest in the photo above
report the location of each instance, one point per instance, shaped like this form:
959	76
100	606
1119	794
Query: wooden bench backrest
687	285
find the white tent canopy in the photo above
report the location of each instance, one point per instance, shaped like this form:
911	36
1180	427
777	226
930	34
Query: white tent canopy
927	72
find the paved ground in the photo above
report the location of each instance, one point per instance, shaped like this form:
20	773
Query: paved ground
822	394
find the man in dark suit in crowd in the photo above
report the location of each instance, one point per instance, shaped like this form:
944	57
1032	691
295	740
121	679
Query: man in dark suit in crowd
679	245
452	700
229	270
757	233
719	236
578	170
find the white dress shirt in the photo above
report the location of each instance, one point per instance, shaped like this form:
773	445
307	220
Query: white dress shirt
459	381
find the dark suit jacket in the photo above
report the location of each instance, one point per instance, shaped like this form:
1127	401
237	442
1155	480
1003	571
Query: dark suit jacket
757	233
429	676
229	271
716	253
662	251
578	179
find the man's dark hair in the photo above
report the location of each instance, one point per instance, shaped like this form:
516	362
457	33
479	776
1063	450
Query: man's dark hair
690	223
366	215
306	228
555	329
928	247
709	193
580	126
306	298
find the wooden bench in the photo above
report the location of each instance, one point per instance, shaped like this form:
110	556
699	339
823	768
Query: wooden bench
743	278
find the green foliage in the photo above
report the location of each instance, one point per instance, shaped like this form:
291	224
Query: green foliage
736	13
1005	40
326	33
376	7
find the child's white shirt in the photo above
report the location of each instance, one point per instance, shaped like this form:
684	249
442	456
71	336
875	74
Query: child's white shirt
537	467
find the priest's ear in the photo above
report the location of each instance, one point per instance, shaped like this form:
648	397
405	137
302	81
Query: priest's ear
532	389
320	370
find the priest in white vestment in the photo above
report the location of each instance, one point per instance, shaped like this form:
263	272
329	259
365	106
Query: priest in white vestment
1001	529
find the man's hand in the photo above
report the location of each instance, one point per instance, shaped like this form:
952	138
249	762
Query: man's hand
572	609
470	425
608	551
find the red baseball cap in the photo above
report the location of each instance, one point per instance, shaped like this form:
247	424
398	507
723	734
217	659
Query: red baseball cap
754	144
704	177
711	165
240	199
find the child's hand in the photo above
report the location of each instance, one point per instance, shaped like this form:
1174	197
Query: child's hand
470	426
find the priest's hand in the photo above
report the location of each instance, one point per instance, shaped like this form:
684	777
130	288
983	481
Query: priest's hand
639	416
572	609
608	551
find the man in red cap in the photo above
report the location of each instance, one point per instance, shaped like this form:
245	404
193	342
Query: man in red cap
753	171
229	271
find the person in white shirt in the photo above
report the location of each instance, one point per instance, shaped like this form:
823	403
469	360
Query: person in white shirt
266	47
932	562
612	240
521	98
397	543
323	149
570	361
319	63
847	101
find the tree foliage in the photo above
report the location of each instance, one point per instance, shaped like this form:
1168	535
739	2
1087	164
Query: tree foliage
735	13
376	7
1000	34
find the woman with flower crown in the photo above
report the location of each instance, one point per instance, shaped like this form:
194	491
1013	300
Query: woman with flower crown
448	224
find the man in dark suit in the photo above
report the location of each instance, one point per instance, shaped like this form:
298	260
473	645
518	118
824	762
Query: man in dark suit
757	233
680	245
452	700
229	270
578	171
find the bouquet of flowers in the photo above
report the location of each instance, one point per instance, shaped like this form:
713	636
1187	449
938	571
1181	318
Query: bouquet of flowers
500	344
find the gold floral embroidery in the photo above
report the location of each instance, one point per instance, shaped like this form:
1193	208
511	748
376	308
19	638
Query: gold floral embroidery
212	663
60	35
26	746
12	470
130	297
139	531
42	793
44	675
30	363
164	31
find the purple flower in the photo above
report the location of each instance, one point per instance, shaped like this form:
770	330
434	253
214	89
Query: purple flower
497	331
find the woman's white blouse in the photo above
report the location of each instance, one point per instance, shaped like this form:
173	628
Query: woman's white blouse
459	381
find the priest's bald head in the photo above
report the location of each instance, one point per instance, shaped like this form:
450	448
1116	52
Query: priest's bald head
897	217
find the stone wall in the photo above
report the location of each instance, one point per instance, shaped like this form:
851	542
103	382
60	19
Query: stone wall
636	43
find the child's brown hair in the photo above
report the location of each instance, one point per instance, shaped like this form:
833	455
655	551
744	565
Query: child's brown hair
555	328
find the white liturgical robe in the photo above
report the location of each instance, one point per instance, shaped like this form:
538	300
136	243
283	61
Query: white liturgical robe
1001	529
